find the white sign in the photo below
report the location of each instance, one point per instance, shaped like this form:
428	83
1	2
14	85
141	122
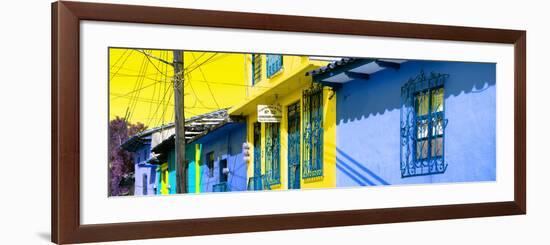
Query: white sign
269	113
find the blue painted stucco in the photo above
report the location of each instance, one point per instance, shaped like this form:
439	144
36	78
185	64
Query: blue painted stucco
225	143
368	125
142	168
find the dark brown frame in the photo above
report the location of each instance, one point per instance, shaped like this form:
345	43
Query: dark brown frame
65	178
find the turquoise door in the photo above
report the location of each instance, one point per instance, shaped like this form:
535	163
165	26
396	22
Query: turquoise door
294	146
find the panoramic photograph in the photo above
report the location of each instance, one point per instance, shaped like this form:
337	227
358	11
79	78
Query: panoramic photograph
193	122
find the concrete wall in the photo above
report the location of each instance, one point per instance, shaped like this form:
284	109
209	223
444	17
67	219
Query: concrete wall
226	143
368	125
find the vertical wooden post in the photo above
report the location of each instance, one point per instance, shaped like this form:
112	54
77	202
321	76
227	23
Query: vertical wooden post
181	165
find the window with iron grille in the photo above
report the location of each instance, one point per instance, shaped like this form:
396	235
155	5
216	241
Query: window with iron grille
272	156
423	125
257	149
256	182
256	68
312	150
210	163
274	63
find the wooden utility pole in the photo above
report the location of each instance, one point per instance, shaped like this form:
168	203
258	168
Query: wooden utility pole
181	165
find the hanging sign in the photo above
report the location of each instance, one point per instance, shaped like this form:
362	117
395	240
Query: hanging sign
269	113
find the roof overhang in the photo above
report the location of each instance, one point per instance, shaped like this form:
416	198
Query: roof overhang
348	69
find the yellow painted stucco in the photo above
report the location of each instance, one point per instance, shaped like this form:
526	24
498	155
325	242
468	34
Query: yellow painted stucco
285	88
164	179
141	87
198	168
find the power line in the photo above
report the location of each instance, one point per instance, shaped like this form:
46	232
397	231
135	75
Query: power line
155	88
137	90
154	57
156	102
208	85
138	84
150	61
124	62
195	60
166	90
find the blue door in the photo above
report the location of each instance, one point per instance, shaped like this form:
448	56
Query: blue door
294	146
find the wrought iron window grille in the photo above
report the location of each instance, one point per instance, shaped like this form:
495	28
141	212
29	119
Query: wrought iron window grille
312	150
272	156
221	187
258	183
257	131
293	156
423	123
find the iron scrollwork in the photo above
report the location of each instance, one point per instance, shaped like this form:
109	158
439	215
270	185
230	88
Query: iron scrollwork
423	126
313	132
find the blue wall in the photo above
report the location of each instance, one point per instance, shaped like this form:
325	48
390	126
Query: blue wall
141	155
226	143
368	125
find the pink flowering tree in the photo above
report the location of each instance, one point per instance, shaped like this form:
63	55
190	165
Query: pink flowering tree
121	165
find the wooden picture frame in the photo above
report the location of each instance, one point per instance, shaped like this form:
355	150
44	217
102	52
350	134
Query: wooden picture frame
65	175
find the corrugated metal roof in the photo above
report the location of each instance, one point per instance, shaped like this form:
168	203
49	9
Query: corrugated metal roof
194	126
331	66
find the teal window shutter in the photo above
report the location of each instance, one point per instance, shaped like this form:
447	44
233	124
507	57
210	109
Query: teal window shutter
256	68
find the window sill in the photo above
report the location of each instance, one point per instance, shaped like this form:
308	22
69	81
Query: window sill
280	71
311	179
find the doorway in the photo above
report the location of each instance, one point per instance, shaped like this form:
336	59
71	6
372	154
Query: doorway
294	146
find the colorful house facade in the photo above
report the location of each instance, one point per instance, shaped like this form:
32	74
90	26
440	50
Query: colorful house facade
341	122
213	155
410	122
145	173
221	167
299	150
367	122
165	160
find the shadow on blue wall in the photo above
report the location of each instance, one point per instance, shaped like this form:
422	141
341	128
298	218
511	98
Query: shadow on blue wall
352	170
355	92
368	124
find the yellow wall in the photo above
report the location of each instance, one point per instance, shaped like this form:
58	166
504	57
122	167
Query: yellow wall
198	150
164	179
291	65
213	81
